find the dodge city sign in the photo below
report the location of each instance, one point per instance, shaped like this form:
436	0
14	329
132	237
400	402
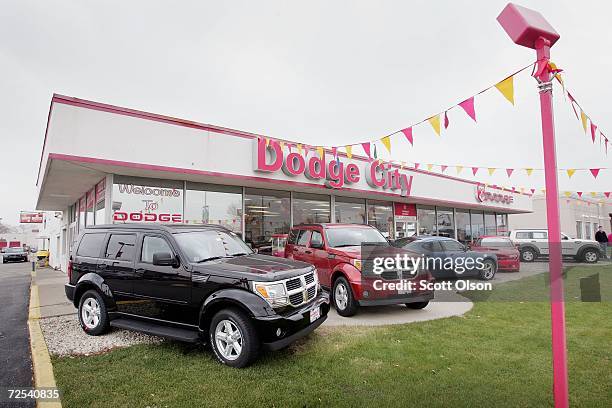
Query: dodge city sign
484	196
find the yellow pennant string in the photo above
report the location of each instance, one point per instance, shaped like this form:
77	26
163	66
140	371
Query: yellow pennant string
529	171
434	121
349	151
491	170
459	169
387	142
506	87
570	172
583	118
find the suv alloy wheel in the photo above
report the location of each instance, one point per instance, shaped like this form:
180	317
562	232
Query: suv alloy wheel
92	313
528	255
344	301
233	338
590	255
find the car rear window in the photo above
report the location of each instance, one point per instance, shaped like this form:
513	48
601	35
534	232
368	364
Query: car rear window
523	235
91	244
121	247
496	243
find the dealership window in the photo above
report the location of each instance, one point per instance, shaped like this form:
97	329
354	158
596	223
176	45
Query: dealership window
214	204
426	217
311	208
445	222
100	203
380	216
579	229
489	221
464	230
137	199
267	212
82	213
587	230
90	199
478	225
350	210
502	224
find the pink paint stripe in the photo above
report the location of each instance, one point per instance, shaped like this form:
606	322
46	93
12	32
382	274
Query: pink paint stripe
168	169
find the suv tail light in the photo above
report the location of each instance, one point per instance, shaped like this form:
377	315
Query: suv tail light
69	271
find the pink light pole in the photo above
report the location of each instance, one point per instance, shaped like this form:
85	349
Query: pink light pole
530	29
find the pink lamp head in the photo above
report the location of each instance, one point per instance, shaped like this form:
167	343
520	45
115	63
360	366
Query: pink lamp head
525	26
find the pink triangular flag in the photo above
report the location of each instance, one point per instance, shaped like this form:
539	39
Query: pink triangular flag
595	172
408	133
445	120
593	130
572	102
443	168
366	148
509	172
334	151
607	194
416	165
532	190
468	107
579	193
474	170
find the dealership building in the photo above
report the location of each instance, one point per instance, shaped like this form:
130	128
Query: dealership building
105	164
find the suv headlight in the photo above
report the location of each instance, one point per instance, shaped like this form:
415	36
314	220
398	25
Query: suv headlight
274	293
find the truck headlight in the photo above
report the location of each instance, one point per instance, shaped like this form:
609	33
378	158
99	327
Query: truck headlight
274	293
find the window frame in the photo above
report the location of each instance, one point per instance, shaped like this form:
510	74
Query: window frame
108	241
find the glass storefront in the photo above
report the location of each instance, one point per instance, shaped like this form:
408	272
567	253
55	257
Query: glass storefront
502	224
90	199
214	204
489	220
380	216
426	218
350	210
464	229
311	208
266	212
138	199
100	217
445	222
478	225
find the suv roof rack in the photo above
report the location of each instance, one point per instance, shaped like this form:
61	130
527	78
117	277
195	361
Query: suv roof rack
155	226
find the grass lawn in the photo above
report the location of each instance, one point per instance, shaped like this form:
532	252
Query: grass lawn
497	355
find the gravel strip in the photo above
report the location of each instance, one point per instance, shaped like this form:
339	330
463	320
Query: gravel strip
65	337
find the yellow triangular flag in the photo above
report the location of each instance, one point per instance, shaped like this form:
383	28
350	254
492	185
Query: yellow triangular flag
380	161
299	147
570	172
529	171
593	194
543	191
387	142
349	151
459	169
429	167
491	170
522	190
282	145
267	141
568	193
506	87
583	118
435	123
320	151
402	165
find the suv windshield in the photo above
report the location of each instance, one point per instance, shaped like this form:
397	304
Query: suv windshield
353	236
203	246
13	250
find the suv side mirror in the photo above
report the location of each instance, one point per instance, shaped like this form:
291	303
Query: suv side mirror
165	259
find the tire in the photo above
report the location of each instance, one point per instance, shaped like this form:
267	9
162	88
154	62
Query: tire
488	272
344	301
241	329
417	305
528	255
590	255
92	313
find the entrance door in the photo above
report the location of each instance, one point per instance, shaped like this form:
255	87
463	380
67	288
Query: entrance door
404	229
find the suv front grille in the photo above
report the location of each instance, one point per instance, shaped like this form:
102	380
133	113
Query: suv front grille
302	289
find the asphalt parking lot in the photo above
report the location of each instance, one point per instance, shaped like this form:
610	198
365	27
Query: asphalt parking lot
15	358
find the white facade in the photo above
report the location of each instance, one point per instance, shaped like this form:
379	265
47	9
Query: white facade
89	144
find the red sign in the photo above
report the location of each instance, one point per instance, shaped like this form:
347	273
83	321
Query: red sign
482	195
404	209
122	216
31	217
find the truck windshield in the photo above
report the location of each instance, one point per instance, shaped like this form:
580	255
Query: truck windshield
353	236
202	246
13	250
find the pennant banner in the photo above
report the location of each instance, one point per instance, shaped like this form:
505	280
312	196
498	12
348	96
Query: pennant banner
506	87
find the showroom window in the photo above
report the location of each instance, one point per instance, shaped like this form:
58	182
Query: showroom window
464	230
266	212
502	224
380	216
137	199
350	210
578	229
82	212
426	217
100	203
90	200
478	226
489	220
445	222
311	208
587	230
214	204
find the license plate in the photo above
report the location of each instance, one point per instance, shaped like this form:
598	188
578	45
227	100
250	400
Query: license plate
403	292
315	314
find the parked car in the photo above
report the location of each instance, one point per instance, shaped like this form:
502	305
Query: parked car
16	254
335	250
198	284
504	249
442	251
533	243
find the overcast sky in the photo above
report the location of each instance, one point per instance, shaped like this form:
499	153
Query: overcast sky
310	71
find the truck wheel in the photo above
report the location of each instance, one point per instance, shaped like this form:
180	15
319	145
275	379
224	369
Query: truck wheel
488	270
590	255
344	301
417	305
528	255
92	313
233	338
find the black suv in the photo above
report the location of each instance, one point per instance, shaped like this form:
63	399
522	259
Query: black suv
194	284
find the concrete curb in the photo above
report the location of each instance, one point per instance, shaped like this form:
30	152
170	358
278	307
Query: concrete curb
41	360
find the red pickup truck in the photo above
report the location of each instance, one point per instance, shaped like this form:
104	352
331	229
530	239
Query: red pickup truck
335	250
